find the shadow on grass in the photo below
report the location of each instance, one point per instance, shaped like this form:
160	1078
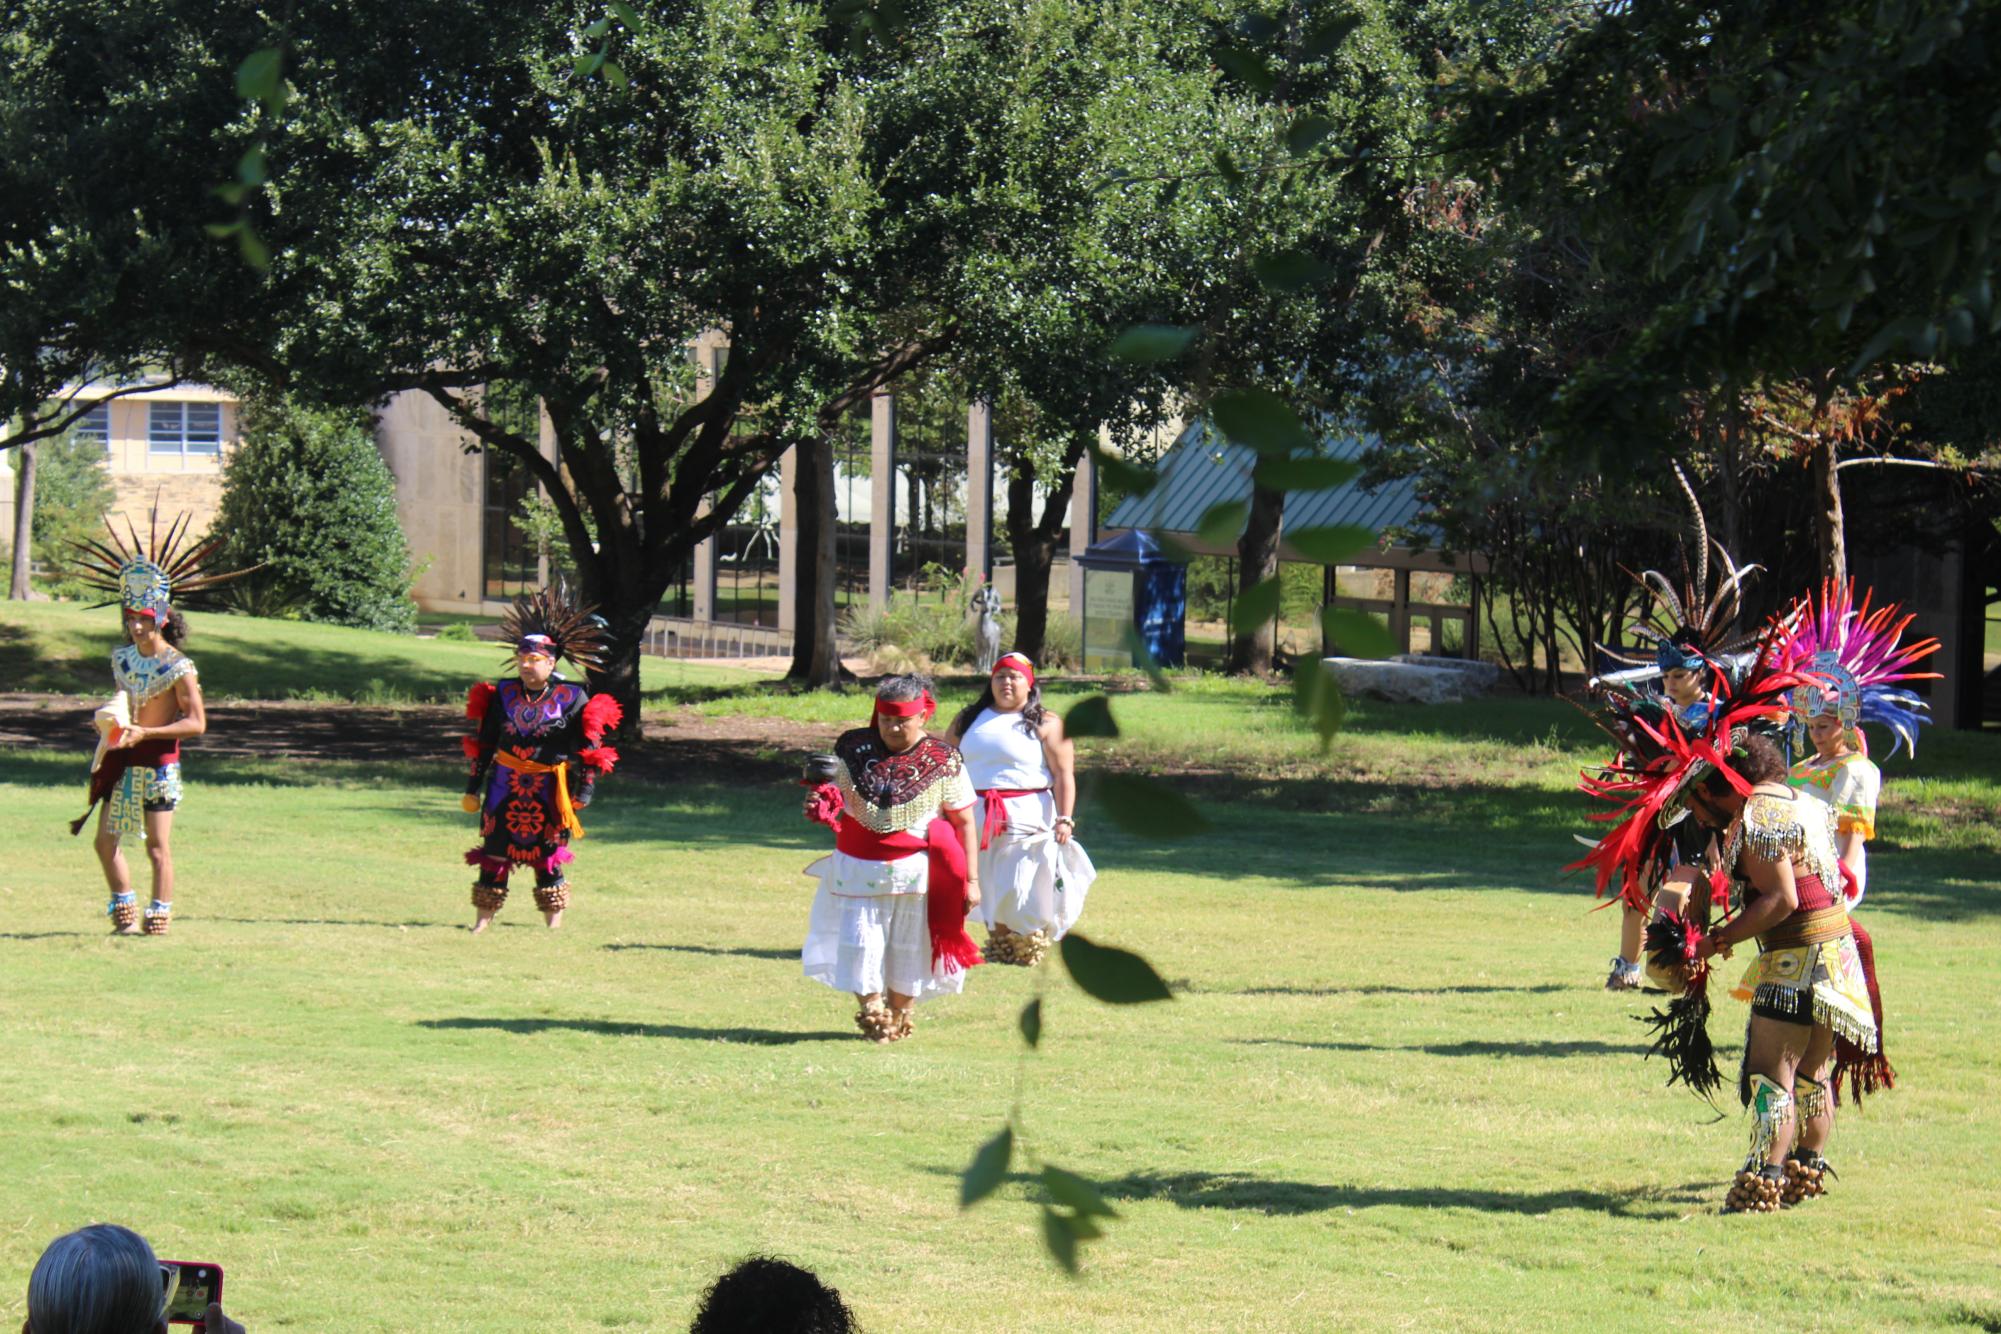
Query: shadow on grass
1575	1047
744	952
1237	1190
1539	989
370	923
754	1037
51	935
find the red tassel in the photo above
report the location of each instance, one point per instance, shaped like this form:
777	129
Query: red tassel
1866	1072
825	805
952	949
470	745
475	856
601	714
477	700
600	758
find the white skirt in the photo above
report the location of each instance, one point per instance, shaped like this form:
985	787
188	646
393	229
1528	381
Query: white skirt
870	931
1028	881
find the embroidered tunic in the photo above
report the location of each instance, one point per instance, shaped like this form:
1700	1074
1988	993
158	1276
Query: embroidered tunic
526	773
1850	784
142	786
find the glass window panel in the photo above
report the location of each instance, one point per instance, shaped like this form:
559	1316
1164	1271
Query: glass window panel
204	428
164	427
95	426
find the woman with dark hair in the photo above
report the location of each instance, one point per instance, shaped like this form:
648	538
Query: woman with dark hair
889	920
1033	873
104	1279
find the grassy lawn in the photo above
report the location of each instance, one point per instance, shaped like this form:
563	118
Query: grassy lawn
66	647
1389	1093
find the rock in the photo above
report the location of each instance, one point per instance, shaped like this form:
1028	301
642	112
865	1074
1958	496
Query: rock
1482	676
1402	682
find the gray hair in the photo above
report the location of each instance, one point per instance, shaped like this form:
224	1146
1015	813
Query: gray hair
902	689
102	1279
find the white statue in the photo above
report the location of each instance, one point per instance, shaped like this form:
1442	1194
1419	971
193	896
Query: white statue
987	635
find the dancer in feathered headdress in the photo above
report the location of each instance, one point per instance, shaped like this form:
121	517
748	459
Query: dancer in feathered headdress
136	772
1860	664
1695	645
537	751
1777	874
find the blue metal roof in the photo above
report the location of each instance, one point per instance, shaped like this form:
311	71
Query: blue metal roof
1202	470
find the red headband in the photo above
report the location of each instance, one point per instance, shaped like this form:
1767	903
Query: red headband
907	708
1019	663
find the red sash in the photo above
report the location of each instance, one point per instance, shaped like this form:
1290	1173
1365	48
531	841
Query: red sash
993	812
146	754
944	886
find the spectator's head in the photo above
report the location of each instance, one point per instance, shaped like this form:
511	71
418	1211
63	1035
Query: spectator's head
101	1279
766	1296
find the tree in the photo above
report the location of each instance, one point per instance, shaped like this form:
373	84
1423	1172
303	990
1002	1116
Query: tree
25	462
307	497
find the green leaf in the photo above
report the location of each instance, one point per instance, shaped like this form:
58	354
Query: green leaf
1136	649
1326	39
614	74
1255	606
1226	167
1246	68
1356	634
1112	975
598	29
586	65
1261	420
1090	717
1308	474
260	78
1317	698
1077	1192
1031	1022
1146	344
626	14
221	229
255	253
1060	1240
1290	271
231	193
1306	134
1332	544
988	1169
253	168
1130	478
1223	522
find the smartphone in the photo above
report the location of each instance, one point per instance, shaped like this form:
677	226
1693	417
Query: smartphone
190	1288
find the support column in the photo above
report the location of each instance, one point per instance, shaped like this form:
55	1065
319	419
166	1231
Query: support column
1400	611
882	498
980	491
788	541
710	349
1083	524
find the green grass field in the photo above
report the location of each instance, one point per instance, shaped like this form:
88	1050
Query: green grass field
1389	1092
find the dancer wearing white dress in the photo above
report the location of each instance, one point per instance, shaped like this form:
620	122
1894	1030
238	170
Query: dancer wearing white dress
889	920
1035	874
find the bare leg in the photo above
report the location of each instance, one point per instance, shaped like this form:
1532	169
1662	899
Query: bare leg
1632	925
1775	1050
111	856
1818	1064
899	1009
159	824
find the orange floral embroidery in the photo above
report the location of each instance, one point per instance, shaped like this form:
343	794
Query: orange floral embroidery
524	818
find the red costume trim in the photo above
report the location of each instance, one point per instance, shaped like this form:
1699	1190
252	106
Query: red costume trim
598	758
993	812
478	699
944	887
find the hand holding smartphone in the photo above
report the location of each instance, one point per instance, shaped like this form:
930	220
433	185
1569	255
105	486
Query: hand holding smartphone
191	1288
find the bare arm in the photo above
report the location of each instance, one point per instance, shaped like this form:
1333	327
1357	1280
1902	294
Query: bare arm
1855	856
192	722
1060	753
1777	899
962	825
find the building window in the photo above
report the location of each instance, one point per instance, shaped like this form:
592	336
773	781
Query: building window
184	428
507	558
95	426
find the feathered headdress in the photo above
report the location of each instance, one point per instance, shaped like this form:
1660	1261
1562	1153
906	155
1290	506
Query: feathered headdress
1692	625
548	622
1858	656
1648	783
149	575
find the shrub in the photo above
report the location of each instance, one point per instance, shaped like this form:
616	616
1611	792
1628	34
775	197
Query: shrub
73	492
307	496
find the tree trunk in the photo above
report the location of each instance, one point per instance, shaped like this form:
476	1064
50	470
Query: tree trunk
619	676
24	520
1252	647
1829	525
1033	540
816	657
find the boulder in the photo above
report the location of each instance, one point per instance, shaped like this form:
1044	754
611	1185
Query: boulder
1402	682
1482	677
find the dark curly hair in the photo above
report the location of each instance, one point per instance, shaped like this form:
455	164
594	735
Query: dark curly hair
1756	760
765	1295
